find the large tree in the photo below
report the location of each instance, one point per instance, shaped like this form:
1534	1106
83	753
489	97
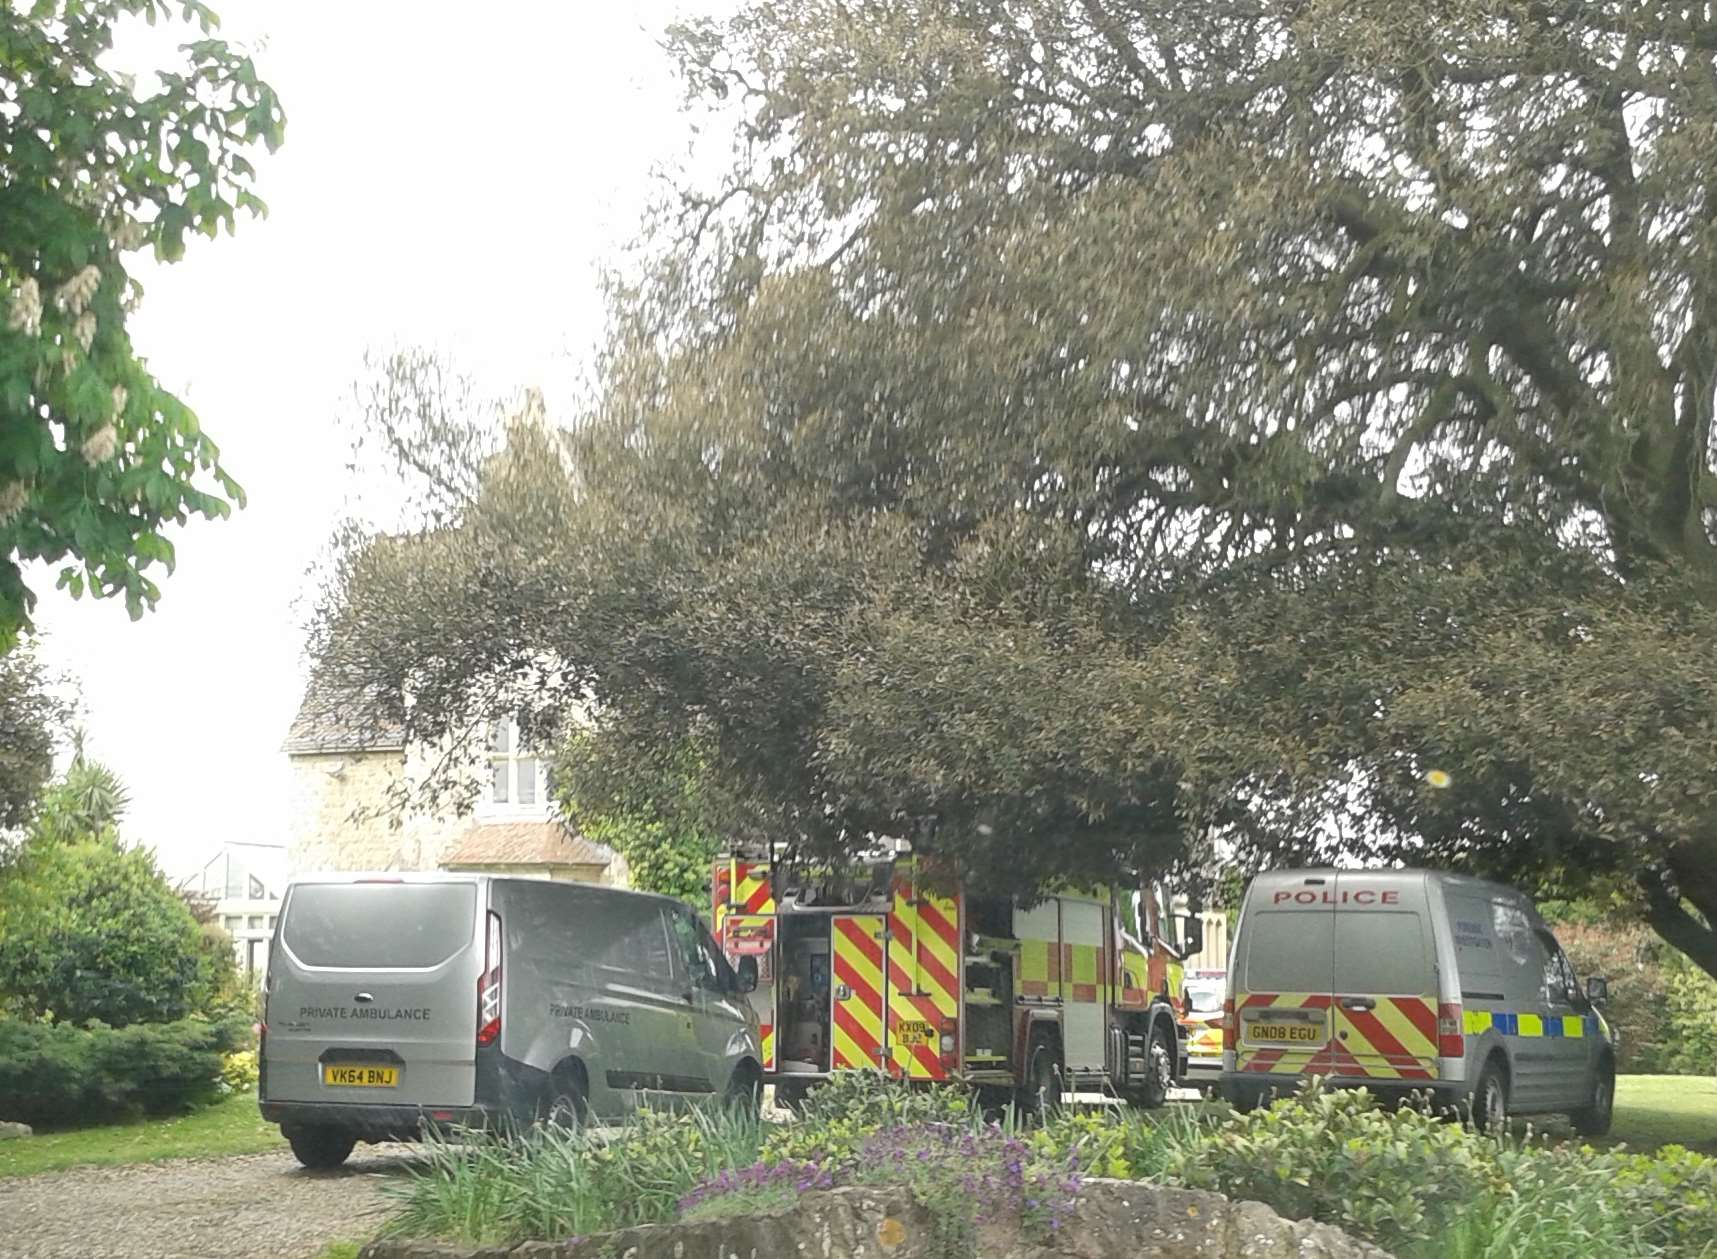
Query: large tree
96	458
32	719
1076	427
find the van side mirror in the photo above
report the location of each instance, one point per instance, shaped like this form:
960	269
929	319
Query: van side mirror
746	973
1192	934
1597	989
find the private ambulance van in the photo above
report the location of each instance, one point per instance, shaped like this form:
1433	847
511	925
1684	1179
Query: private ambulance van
1412	981
396	1002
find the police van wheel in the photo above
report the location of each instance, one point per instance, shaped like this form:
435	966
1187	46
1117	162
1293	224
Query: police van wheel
1593	1119
1490	1100
320	1149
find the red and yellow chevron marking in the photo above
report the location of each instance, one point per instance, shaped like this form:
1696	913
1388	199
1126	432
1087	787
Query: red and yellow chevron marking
1396	1040
766	1037
923	980
858	966
751	891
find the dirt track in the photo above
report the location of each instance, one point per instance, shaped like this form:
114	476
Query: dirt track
255	1206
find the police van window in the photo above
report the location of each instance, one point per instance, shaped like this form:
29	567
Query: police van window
1380	952
1559	982
1513	933
1289	952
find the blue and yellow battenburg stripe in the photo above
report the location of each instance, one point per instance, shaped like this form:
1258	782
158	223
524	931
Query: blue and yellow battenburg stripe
1548	1026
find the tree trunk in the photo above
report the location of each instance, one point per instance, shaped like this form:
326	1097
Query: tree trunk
1667	912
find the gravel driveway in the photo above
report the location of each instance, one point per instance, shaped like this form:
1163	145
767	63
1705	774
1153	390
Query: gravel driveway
255	1206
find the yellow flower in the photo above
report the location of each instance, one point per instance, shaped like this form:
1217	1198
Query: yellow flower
1439	779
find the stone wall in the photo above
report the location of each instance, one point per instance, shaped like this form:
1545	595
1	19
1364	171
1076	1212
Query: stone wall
337	820
1113	1220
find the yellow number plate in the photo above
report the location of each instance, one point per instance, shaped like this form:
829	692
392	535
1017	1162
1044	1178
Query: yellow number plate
1288	1032
361	1076
916	1032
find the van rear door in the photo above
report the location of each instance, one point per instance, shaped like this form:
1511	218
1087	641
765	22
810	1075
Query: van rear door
372	993
1283	975
1385	978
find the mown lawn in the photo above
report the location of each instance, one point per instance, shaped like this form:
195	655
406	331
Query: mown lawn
229	1126
1655	1110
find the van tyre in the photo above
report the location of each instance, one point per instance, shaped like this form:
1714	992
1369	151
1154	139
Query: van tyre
564	1104
1593	1119
745	1092
321	1149
1490	1099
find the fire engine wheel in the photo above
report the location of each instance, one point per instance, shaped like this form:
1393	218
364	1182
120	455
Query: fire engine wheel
1159	1071
1043	1081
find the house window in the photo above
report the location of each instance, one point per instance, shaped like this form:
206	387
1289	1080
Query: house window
255	923
517	779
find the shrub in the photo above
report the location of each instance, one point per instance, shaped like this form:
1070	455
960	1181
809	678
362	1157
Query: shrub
239	1071
1691	1011
552	1184
1336	1156
56	1075
93	931
838	1117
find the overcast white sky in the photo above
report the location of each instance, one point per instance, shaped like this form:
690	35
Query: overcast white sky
454	174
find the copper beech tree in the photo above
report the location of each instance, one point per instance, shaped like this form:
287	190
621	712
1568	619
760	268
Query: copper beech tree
1075	431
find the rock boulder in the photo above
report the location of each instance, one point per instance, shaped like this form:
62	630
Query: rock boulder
1113	1220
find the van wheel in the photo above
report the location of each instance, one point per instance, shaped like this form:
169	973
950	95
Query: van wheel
745	1092
563	1105
320	1149
1593	1119
1044	1084
1159	1070
1490	1099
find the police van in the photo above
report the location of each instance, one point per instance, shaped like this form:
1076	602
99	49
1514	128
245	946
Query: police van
1412	981
395	1002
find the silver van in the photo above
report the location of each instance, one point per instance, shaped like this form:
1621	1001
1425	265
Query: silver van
1412	981
398	1001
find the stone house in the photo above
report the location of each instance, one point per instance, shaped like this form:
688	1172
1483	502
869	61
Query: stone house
347	776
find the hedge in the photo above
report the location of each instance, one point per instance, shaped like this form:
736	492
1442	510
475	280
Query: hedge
56	1075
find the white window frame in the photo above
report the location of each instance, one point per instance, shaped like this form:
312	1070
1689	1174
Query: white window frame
509	762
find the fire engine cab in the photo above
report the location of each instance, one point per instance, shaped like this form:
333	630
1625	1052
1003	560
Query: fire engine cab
881	965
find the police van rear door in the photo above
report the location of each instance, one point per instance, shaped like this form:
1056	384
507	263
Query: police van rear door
1385	978
1283	974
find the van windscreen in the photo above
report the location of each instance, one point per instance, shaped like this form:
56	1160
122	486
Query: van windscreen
1289	952
1379	952
379	926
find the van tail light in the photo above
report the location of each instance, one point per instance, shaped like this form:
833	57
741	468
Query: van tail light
1230	1025
489	986
1451	1038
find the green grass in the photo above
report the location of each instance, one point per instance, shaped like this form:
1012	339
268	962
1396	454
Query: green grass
229	1126
1657	1110
339	1250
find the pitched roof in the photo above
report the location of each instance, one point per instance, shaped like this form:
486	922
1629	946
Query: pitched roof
335	718
526	844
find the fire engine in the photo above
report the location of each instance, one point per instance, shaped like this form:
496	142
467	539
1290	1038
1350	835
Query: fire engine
881	965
